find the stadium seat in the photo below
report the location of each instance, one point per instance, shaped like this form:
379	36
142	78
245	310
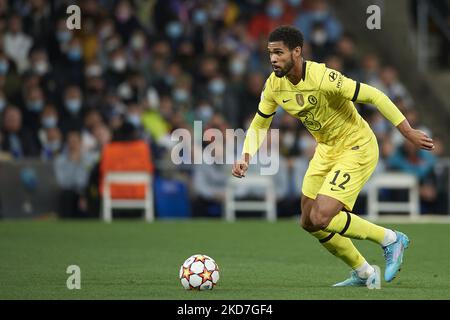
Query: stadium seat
267	204
172	198
393	180
126	178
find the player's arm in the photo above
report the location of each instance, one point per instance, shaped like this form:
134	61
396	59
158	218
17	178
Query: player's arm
257	131
363	93
369	94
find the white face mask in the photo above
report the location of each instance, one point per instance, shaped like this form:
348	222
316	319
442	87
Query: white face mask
41	67
217	86
180	95
119	64
205	112
288	140
153	99
137	42
94	71
319	37
237	67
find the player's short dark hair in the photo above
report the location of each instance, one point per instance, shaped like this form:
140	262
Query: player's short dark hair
291	37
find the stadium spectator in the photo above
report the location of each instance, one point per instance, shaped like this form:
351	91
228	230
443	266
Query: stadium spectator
9	78
17	140
71	109
72	168
34	104
209	182
318	11
16	43
50	139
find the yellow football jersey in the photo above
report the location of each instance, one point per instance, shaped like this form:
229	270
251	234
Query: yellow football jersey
323	102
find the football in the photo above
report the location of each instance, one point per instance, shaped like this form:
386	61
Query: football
199	272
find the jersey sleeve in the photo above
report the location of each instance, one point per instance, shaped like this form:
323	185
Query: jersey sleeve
267	104
257	131
335	83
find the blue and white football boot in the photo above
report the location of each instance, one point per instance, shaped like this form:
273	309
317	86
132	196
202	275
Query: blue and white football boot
372	282
393	254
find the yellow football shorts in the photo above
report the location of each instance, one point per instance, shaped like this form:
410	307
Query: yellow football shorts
341	175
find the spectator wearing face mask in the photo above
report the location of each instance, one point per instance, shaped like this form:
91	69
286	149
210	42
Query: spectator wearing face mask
72	109
49	134
40	66
318	12
320	42
70	69
51	143
34	104
117	69
59	42
276	13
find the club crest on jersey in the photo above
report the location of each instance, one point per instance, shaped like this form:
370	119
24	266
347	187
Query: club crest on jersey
332	76
312	100
299	98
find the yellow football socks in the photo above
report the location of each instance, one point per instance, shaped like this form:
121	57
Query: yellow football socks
340	247
350	225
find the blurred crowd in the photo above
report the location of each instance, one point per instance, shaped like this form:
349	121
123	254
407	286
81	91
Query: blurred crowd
148	68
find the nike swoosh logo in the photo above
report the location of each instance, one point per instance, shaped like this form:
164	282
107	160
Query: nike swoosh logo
284	101
333	189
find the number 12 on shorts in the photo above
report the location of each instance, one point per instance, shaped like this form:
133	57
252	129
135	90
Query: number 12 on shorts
346	177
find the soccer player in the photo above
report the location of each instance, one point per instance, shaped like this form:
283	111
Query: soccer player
345	157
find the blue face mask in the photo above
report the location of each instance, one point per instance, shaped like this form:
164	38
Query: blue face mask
319	15
216	86
205	113
200	17
35	106
174	29
54	145
49	122
74	54
4	67
73	105
63	36
180	95
295	3
274	11
134	119
237	67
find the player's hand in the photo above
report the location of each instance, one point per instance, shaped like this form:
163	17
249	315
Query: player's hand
239	168
420	139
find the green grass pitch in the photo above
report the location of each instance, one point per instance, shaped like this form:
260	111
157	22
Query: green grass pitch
130	259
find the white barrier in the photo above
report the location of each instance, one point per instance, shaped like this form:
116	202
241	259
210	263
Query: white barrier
267	204
128	177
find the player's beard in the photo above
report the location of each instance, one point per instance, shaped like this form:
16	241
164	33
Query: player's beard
289	65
